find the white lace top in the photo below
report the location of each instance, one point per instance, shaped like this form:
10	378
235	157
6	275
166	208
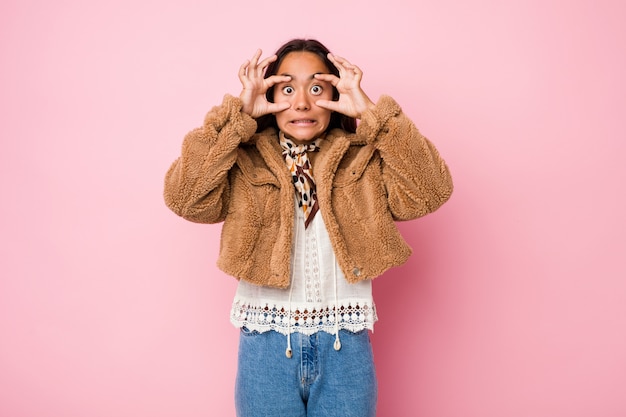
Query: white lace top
318	289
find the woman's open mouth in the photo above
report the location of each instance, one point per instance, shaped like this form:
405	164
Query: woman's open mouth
303	122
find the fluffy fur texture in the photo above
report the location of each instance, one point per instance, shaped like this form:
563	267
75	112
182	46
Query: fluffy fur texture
385	172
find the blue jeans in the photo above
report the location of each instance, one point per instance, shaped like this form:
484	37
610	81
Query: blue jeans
316	381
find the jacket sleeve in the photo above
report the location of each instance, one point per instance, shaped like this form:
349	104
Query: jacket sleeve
416	178
197	183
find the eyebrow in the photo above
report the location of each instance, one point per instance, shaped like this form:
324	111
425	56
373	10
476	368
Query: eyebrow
310	77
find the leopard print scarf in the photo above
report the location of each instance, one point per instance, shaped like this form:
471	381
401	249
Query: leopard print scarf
302	174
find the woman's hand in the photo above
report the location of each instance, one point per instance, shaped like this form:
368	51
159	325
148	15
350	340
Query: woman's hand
255	86
353	101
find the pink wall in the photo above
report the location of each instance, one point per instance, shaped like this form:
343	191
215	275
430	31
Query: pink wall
513	303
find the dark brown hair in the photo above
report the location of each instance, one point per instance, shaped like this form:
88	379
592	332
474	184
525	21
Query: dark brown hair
337	120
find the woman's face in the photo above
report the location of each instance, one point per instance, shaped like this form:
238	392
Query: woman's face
303	121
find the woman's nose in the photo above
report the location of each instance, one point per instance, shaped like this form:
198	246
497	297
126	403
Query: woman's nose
302	101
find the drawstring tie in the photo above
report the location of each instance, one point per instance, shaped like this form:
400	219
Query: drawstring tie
337	344
288	352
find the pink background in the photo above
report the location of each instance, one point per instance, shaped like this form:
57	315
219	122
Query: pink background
513	304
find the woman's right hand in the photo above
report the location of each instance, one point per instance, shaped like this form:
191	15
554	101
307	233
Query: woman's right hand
255	86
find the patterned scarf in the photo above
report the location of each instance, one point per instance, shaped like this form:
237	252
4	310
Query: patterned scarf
301	172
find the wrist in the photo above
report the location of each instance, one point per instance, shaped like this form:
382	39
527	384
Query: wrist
368	106
246	106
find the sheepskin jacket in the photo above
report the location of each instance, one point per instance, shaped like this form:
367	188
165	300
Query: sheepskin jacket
385	172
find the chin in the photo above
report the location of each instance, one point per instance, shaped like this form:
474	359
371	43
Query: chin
302	137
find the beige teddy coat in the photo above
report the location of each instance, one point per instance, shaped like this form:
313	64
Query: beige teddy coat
384	172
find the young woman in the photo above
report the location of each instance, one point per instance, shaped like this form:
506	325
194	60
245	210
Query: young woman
308	198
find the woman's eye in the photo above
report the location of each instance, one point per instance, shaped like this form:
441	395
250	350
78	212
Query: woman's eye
288	90
316	90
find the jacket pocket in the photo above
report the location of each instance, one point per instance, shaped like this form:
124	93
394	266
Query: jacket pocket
255	174
354	168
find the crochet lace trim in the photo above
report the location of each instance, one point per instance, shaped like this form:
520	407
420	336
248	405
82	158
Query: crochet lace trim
353	316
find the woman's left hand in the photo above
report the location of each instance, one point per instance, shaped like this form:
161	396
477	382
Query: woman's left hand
353	101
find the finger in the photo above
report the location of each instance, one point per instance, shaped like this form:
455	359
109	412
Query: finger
352	67
275	79
344	61
341	60
255	58
329	105
254	63
278	107
331	78
263	64
355	71
242	70
347	65
336	62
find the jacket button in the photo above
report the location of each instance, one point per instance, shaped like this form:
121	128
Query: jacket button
356	272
